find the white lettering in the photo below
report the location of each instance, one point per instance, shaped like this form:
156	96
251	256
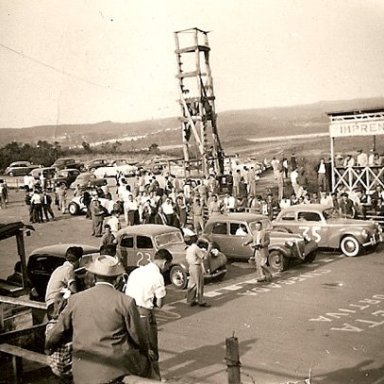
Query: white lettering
359	306
374	324
370	301
337	315
348	328
320	318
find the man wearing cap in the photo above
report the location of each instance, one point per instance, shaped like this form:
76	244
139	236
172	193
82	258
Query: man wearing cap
104	324
63	277
146	286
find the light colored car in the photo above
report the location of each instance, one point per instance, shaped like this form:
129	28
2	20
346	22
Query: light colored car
137	245
328	229
77	206
223	232
126	170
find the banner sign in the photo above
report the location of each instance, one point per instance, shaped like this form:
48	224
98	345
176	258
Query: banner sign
357	128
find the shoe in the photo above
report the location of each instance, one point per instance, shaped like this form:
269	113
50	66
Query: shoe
206	305
192	304
261	280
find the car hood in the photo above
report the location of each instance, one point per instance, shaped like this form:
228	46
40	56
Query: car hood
175	248
284	235
337	221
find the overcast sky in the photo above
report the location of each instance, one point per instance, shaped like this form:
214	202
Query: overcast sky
84	61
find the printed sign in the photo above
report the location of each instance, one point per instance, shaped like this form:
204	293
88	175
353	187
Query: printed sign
357	128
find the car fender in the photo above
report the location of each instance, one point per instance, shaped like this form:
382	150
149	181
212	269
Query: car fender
285	251
336	236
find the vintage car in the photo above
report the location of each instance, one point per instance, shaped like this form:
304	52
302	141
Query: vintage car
126	170
68	163
66	176
77	206
92	165
43	261
136	246
224	233
88	179
328	229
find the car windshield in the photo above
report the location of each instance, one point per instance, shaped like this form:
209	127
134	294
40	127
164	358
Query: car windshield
330	213
266	224
169	238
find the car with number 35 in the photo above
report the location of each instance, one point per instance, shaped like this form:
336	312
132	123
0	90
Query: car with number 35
329	229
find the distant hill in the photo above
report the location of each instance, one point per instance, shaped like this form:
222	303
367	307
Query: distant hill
235	127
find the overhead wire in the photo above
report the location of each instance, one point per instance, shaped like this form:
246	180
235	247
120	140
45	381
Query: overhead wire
61	71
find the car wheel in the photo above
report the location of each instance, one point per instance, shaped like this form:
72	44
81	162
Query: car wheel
73	209
178	277
278	261
350	246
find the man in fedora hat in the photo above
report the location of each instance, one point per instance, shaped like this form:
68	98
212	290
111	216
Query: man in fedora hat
104	325
146	286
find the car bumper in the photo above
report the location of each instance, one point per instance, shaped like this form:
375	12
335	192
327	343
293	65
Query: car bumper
215	274
373	240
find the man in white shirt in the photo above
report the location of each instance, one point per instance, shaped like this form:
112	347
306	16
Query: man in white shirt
361	159
229	203
146	285
321	175
294	181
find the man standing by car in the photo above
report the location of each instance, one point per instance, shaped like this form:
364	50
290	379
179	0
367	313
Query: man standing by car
195	257
104	325
146	285
260	241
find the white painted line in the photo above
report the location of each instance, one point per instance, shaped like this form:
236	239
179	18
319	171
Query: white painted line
233	287
212	294
327	260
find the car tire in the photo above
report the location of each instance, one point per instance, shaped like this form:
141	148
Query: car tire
73	209
350	246
178	277
310	258
277	261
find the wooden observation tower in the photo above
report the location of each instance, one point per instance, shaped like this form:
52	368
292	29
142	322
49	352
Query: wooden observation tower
197	102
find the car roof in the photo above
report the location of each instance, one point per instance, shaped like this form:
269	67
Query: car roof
146	229
239	216
59	250
306	207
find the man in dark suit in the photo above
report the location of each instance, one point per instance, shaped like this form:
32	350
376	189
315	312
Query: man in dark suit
104	325
260	241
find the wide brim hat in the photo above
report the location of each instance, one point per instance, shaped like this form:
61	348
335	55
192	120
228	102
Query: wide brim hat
106	266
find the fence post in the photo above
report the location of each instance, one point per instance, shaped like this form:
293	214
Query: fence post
232	359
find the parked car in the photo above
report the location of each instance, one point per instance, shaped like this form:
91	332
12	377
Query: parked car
88	179
43	261
66	176
18	164
68	163
136	246
221	231
329	229
126	170
77	207
92	165
20	171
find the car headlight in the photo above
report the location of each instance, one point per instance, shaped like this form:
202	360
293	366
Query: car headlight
364	233
290	243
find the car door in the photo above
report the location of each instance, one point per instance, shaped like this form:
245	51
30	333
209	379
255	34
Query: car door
219	235
239	233
144	250
127	251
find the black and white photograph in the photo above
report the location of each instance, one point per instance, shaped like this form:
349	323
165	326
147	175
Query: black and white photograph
191	192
